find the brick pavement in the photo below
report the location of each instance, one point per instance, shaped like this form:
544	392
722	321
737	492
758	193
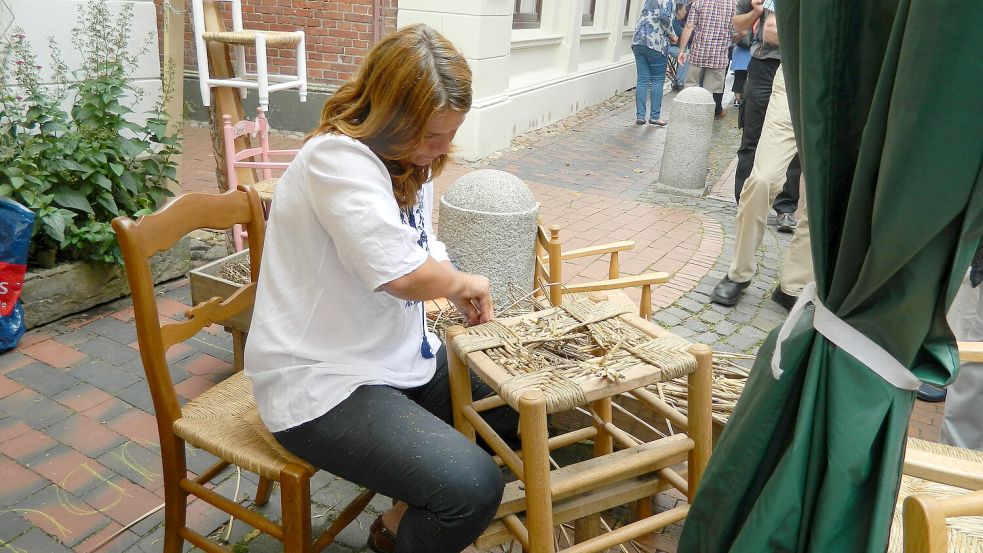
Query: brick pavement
78	447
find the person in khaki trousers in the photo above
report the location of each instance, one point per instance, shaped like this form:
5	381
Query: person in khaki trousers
775	151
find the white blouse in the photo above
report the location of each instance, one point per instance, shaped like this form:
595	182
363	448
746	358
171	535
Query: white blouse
321	327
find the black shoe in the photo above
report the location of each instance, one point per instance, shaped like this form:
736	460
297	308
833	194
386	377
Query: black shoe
639	121
786	222
783	299
677	87
727	292
930	393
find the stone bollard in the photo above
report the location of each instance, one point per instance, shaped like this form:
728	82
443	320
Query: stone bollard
488	221
685	156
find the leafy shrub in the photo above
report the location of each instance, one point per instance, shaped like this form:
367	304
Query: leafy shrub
77	170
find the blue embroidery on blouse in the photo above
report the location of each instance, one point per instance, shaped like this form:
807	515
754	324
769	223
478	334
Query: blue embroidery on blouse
413	217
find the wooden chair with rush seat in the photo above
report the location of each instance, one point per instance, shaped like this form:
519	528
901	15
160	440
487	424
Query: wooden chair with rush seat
549	271
223	420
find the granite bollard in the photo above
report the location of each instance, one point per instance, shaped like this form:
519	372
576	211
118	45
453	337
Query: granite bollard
685	156
488	221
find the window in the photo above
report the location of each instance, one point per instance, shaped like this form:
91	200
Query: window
588	11
527	14
627	13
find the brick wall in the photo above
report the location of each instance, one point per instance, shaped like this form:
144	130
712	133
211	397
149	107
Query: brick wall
339	33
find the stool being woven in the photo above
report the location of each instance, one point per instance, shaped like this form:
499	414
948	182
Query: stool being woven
560	350
965	533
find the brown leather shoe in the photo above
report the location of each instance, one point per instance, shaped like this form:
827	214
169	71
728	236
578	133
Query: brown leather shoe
381	540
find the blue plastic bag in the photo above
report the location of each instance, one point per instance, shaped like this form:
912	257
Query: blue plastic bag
16	225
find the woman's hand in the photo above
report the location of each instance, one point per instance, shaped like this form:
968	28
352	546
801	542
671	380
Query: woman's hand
472	297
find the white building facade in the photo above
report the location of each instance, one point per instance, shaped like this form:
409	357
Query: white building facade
534	62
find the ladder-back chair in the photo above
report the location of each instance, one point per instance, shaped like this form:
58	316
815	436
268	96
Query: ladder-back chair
262	159
549	270
223	420
238	38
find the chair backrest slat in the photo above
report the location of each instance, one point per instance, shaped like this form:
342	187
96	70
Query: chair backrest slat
207	312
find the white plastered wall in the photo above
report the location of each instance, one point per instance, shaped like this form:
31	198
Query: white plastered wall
41	19
525	79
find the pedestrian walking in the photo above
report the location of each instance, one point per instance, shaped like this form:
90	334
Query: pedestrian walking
709	26
650	45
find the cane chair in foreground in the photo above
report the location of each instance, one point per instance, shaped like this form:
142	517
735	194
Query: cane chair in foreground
549	269
223	420
577	356
943	482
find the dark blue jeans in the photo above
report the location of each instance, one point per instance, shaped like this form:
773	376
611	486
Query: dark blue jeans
650	66
399	443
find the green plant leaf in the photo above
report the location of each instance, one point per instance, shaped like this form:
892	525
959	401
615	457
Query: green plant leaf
105	199
67	197
52	127
129	182
116	168
54	226
16	182
103	181
6	190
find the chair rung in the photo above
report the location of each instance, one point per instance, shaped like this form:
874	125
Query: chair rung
580	506
629	531
603	471
219	501
201	542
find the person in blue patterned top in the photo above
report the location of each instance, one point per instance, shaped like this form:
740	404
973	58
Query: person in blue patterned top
650	44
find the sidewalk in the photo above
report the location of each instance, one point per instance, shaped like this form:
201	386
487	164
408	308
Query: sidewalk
78	441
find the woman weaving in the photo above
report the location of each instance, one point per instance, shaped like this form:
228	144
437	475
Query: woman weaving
345	372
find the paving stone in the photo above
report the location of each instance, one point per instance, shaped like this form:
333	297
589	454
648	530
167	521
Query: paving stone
34	409
711	316
27	447
141	465
739	317
695	325
54	353
108	350
119	543
666	319
708	338
70	470
138	395
103	375
690	305
19	482
115	330
725	328
88	436
36	540
742	342
11	526
63	515
44	378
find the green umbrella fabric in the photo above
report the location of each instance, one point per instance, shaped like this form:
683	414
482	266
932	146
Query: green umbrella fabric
885	98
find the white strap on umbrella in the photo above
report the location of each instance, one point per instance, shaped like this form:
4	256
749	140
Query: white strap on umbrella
845	337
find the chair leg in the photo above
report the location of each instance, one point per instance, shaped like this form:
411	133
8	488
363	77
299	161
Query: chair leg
263	491
238	349
459	377
699	417
262	73
295	506
175	499
536	468
302	67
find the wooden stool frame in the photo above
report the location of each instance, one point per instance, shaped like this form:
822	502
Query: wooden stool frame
611	478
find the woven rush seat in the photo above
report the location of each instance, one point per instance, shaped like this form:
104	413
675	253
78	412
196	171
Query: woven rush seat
569	350
224	421
965	533
273	38
265	188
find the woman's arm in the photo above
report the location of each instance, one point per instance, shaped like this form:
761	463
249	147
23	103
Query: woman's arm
469	293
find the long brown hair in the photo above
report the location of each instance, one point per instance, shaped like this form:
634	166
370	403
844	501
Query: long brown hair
409	77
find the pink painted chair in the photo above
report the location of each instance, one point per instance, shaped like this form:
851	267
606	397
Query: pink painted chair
261	159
